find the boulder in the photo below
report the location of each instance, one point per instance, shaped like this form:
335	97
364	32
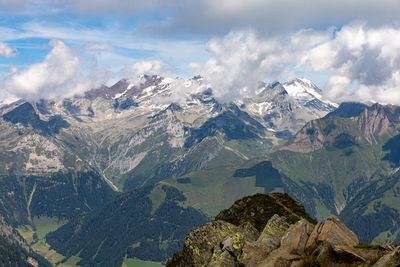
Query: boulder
217	243
269	239
332	239
347	254
332	232
249	231
279	258
391	259
223	258
296	237
201	244
291	247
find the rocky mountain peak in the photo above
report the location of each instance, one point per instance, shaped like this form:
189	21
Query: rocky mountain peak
370	121
271	90
300	87
377	118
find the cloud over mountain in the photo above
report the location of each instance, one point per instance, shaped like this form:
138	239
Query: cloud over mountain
233	44
241	59
362	63
62	73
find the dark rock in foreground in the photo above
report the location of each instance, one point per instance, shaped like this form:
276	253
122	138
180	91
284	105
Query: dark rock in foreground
274	230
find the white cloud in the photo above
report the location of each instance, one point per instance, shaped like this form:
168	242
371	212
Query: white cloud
362	63
63	73
134	72
7	51
242	59
149	67
98	46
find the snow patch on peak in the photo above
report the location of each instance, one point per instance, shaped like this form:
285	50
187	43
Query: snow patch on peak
306	81
302	88
166	81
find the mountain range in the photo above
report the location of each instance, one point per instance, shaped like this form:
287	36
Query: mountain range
138	156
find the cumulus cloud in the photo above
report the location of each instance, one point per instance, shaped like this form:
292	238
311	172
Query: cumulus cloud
7	51
149	67
97	46
364	63
361	63
242	59
134	72
63	73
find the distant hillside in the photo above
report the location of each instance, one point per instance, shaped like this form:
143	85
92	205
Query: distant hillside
149	224
346	164
14	251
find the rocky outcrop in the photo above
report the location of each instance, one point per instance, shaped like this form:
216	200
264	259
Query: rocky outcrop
268	241
330	237
214	243
390	259
281	241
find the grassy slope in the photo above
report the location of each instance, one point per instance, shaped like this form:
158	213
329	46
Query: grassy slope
139	263
44	225
215	189
35	236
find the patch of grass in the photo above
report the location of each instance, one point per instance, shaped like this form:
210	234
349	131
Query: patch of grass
72	261
139	263
259	208
216	189
44	225
43	249
367	246
313	262
375	260
27	232
157	196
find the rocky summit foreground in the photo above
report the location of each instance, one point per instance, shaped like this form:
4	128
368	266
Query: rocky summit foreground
274	230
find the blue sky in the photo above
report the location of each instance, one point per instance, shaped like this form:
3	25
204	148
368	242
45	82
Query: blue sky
336	44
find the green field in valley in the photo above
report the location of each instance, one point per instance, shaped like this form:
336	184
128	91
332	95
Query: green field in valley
139	263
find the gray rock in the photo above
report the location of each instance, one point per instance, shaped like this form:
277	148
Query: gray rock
389	260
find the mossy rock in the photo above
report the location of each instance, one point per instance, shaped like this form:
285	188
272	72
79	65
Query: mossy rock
259	208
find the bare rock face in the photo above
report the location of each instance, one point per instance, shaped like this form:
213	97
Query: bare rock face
269	240
217	243
391	259
291	247
295	239
334	240
332	232
200	244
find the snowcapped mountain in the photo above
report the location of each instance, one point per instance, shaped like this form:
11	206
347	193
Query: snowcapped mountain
65	157
136	133
285	108
304	91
